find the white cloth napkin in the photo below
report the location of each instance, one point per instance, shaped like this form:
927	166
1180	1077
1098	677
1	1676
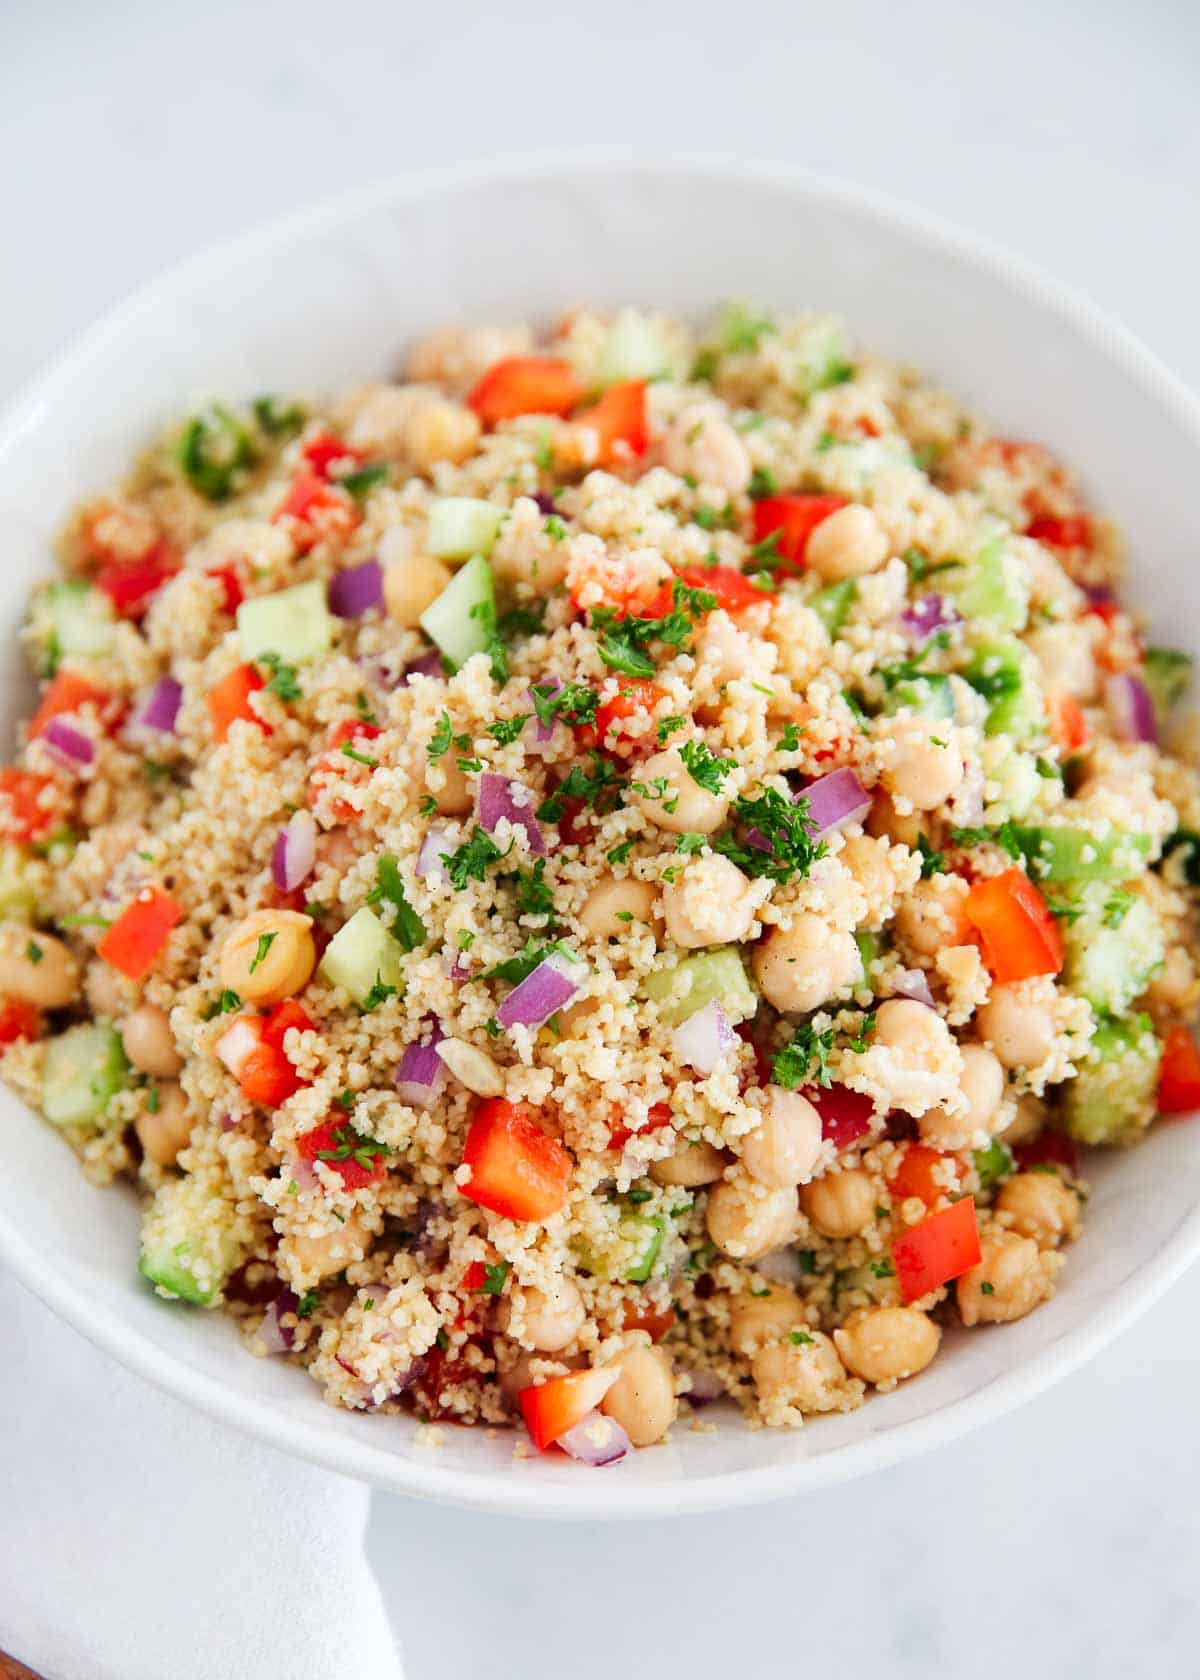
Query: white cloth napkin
139	1541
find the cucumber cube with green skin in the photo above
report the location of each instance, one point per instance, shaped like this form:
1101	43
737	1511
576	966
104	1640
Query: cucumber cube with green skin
832	604
460	526
79	621
1167	674
84	1069
1062	853
634	348
930	697
1003	671
293	623
1111	1098
990	589
18	895
189	1242
993	1164
461	621
709	975
361	956
647	1233
1113	947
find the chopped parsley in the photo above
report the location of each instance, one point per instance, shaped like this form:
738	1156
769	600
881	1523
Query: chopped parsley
507	729
784	824
485	612
807	1048
1117	906
574	703
470	862
284	681
443	738
349	1145
592	787
359	757
265	941
622	642
882	1269
494	1276
363	480
522	621
1008	836
920	566
762	483
987	1289
533	896
620	854
789	741
277	420
427	806
799	1338
34	952
222	1004
465	939
1047	770
932	863
379	993
668	726
152	1099
407	928
705	769
363	707
691	843
492	1027
555	528
515	969
308	1303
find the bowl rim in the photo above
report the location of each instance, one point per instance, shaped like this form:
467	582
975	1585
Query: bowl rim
603	1498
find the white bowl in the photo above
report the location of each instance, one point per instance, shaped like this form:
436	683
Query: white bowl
334	294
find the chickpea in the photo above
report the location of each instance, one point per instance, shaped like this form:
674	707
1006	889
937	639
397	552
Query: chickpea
694	810
1009	1281
711	903
931	915
746	1219
782	1149
886	823
1041	1206
409	586
165	1132
146	1036
318	1257
692	1165
807	1376
703	446
886	1344
441	431
840	1204
613	906
36	967
848	544
527	1369
924	767
799	967
642	1400
269	956
913	1029
1018	1029
867	860
982	1084
1027	1123
452	794
755	1320
548	1321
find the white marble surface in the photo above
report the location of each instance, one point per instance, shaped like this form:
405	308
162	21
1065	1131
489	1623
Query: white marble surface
1063	1541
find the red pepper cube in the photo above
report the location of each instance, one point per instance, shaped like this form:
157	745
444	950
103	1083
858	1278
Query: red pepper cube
792	520
516	1170
229	701
337	1143
619	420
525	385
939	1249
553	1407
1019	936
1179	1073
138	936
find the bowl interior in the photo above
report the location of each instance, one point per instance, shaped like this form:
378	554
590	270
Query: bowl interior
335	295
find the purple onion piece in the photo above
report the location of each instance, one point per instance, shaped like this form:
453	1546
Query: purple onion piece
356	590
781	1265
295	852
756	838
545	503
438	841
706	1386
275	1336
913	983
1098	594
835	800
596	1440
704	1039
70	746
1129	706
551	987
498	797
924	617
160	708
422	1072
429	665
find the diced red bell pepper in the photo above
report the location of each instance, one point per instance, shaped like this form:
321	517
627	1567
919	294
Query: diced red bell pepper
281	1017
136	939
553	1407
516	1170
619	419
30	804
132	584
845	1114
1179	1073
1048	1149
1068	725
525	385
325	448
942	1247
474	1278
619	1133
19	1019
314	511
231	585
794	518
333	1139
335	762
655	1324
1074	530
229	701
268	1078
921	1172
252	1050
1019	936
635	698
67	693
733	589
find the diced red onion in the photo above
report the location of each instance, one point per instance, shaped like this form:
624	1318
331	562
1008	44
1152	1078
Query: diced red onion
230	1122
544	731
781	1265
845	1114
1129	706
356	590
422	1071
551	987
160	708
1098	594
704	1039
498	797
706	1387
924	617
913	983
835	800
275	1336
756	838
295	852
429	665
238	1042
70	746
596	1440
546	504
438	840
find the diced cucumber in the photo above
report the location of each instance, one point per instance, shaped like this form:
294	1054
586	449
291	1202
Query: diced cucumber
832	604
84	1068
1062	853
1004	672
1111	1099
929	696
80	619
991	588
627	1247
710	975
461	620
1113	946
294	623
646	1233
460	526
189	1244
362	956
633	349
993	1163
868	949
1167	674
18	895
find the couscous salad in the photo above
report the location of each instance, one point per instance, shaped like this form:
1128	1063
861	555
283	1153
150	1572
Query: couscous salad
620	869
